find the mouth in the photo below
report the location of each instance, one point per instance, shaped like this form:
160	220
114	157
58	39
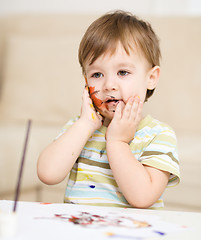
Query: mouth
112	100
111	103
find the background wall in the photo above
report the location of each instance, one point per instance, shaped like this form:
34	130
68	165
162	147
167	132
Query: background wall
142	7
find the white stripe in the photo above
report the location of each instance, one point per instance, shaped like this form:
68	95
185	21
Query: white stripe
83	166
161	148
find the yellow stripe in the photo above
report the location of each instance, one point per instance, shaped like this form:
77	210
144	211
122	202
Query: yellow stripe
156	208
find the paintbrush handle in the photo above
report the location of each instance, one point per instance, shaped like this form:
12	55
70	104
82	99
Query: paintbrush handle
21	166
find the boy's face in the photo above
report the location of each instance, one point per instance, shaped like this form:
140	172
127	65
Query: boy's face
116	77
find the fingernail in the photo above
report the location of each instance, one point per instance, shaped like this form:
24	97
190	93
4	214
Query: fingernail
137	98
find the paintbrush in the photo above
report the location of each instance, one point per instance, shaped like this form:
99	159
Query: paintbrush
21	166
8	220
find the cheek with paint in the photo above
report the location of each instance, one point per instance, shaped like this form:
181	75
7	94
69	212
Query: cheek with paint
97	102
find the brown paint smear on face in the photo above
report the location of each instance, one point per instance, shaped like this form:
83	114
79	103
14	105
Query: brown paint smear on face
97	102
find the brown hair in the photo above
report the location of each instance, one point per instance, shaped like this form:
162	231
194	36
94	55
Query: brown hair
105	32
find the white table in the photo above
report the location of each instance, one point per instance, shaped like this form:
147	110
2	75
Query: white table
38	221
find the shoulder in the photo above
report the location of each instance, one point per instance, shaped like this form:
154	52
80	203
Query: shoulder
160	150
153	127
67	126
155	137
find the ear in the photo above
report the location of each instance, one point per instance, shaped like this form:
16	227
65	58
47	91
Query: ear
153	76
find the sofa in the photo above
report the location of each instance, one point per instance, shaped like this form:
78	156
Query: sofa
41	80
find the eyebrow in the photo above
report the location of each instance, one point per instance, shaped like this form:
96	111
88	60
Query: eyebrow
126	65
92	68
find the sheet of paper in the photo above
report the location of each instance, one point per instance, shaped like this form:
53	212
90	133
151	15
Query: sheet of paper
53	221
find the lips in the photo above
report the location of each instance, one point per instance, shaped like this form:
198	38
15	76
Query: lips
112	100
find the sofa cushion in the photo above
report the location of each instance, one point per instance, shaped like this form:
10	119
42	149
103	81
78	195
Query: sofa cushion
11	142
42	79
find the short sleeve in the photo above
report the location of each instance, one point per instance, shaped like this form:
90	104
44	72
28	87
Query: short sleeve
162	153
66	127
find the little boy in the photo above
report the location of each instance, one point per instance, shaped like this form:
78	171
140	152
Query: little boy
114	154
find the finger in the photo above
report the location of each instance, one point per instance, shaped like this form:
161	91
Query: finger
127	108
84	95
135	107
86	101
85	92
139	112
87	96
118	111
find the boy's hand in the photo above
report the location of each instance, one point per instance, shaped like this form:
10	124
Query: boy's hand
88	113
125	122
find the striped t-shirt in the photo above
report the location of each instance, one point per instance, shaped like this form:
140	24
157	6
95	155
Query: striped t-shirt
91	180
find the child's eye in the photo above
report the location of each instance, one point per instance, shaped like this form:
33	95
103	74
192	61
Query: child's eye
97	75
123	73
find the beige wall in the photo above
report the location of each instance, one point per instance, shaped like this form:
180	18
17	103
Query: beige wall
143	7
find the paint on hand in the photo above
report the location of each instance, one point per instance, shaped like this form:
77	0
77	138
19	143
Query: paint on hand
92	186
93	116
86	80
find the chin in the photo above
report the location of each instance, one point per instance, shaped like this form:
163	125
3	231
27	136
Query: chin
108	115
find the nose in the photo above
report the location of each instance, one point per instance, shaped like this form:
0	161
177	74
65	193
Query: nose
110	84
